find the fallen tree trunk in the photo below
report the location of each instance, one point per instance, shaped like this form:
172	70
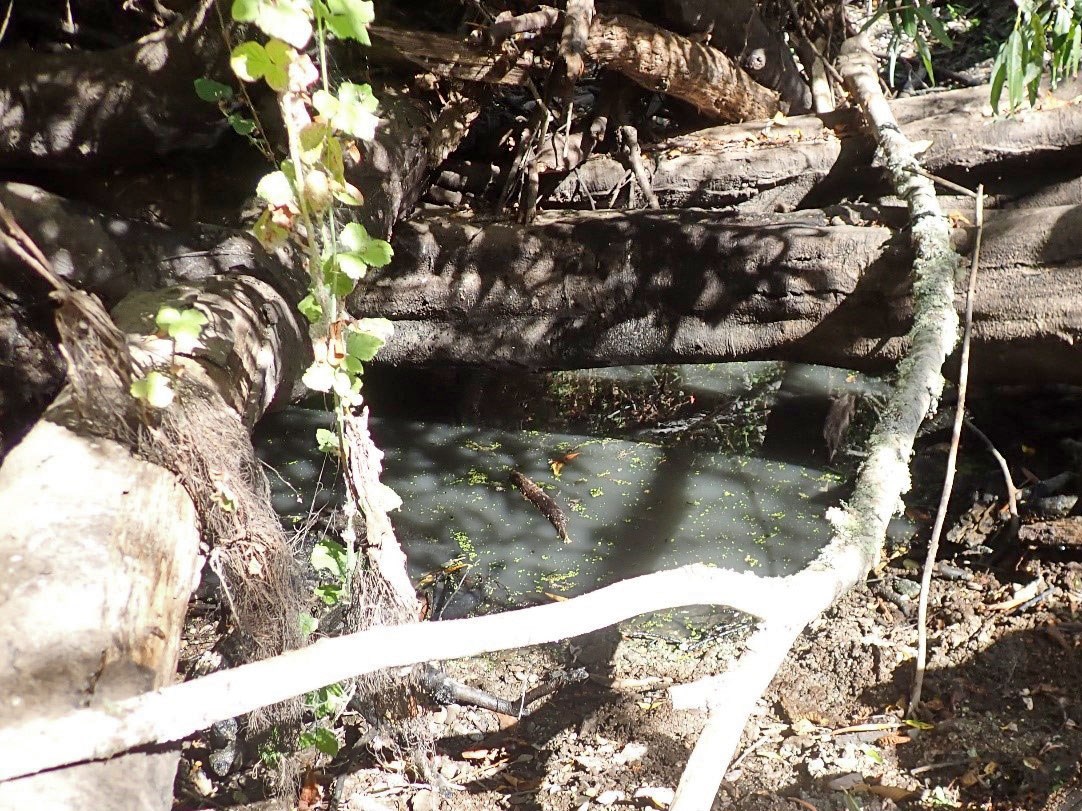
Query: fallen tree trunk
579	290
95	593
92	108
809	160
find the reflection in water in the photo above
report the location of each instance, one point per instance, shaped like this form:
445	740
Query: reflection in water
631	507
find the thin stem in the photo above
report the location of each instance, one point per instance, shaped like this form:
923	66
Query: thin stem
952	460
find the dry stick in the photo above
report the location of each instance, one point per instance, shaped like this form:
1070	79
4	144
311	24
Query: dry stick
573	39
531	22
634	157
952	459
1012	491
861	526
174	712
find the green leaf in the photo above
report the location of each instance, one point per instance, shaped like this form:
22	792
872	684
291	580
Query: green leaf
212	91
183	326
321	738
1014	69
286	20
352	265
999	76
327	441
326	103
268	232
312	138
319	376
378	253
347	19
240	124
934	25
338	284
244	11
276	189
309	624
332	557
348	193
329	593
356	113
252	62
343	383
249	61
310	308
366	336
156	390
354	237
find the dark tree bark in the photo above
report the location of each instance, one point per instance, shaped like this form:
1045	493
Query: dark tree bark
94	108
691	286
810	161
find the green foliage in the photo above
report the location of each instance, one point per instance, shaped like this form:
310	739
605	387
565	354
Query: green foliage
252	62
212	91
321	738
287	20
334	559
183	326
1045	31
346	19
155	389
912	21
327	441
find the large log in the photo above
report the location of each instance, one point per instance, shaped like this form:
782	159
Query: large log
611	288
99	547
73	110
811	160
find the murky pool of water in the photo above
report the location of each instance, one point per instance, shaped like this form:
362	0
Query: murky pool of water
631	507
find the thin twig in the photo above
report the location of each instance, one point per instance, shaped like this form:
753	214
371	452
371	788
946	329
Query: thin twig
20	243
947	184
1012	491
952	459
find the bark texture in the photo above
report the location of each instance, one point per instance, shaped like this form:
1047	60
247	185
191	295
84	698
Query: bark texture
78	109
807	161
691	286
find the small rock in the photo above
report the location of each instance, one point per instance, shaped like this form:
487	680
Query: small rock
425	800
658	796
611	796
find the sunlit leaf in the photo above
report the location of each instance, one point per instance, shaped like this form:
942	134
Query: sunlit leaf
155	390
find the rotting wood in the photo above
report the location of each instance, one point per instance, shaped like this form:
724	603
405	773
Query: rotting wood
653	57
782	165
545	503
